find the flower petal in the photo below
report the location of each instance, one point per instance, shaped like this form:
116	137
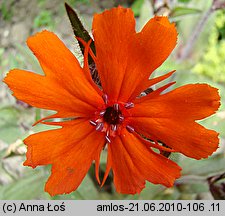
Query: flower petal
59	141
148	51
65	88
126	58
70	169
150	82
133	163
69	149
43	92
60	64
192	101
170	118
187	137
113	30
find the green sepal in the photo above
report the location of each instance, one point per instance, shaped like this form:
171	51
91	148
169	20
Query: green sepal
79	30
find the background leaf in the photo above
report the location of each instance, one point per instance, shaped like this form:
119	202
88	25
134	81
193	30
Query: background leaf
181	11
28	187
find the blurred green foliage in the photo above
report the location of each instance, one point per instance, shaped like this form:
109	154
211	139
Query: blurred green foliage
16	119
44	19
5	10
74	2
212	63
136	7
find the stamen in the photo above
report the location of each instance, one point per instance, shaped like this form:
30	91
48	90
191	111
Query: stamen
130	128
129	105
102	113
107	133
107	139
113	127
99	126
121	118
92	122
116	106
105	98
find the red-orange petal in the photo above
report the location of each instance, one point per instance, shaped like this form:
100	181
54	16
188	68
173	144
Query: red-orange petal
149	83
190	102
42	92
69	149
133	163
126	58
64	88
70	169
86	67
148	51
45	147
170	118
113	30
187	137
61	65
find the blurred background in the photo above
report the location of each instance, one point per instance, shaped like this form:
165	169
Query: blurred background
199	57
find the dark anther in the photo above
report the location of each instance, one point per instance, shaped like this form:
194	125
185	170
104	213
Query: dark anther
116	107
121	118
105	98
112	115
146	92
129	105
108	139
113	127
99	126
102	113
92	122
130	129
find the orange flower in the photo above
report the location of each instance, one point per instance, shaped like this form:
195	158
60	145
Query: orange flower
115	115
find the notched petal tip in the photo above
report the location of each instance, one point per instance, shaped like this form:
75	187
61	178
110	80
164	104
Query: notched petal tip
212	95
163	20
36	36
29	161
8	79
211	148
116	10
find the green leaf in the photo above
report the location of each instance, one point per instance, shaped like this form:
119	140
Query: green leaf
217	121
204	167
146	12
181	11
37	114
44	18
148	193
10	133
9	129
29	58
168	194
79	30
159	192
29	187
87	189
184	1
194	188
8	114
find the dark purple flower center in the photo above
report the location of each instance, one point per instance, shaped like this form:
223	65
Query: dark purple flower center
112	115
